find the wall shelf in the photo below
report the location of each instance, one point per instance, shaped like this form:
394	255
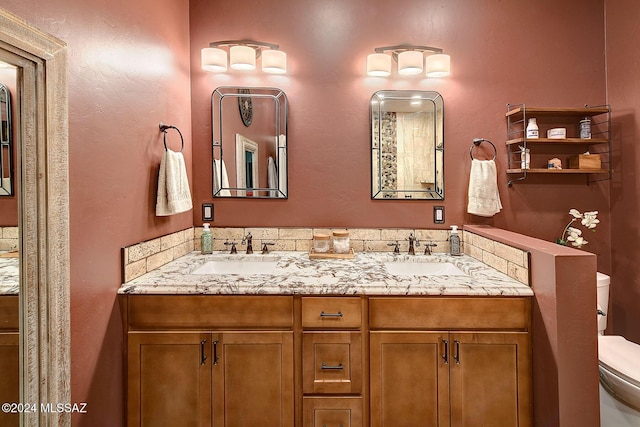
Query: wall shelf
549	117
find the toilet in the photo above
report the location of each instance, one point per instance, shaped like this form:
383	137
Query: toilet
619	366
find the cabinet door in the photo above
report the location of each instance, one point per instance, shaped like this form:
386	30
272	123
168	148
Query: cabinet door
409	379
9	376
490	379
253	379
169	379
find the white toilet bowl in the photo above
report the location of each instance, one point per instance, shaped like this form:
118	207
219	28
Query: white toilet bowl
619	382
619	369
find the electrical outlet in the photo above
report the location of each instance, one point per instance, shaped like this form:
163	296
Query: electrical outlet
438	214
207	211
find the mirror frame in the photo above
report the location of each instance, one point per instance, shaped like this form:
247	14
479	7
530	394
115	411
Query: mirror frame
6	145
434	99
44	217
282	147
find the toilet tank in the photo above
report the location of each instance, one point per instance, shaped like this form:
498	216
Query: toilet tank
603	281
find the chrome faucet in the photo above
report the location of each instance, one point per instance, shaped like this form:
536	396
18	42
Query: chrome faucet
248	240
265	249
233	246
413	240
428	246
396	245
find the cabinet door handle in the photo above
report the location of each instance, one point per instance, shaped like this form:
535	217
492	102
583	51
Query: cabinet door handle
203	352
456	355
215	352
325	366
323	314
445	355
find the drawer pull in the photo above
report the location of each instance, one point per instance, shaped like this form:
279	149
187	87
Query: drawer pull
324	425
323	314
325	366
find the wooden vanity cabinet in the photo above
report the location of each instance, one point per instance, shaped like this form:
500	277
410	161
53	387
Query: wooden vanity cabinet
185	369
9	358
450	362
327	361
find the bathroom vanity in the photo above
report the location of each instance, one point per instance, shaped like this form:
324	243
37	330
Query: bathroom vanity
327	342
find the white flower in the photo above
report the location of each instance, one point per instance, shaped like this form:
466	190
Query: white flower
579	242
574	234
589	220
576	213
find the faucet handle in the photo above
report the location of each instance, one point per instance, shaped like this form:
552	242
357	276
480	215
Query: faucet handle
428	246
233	246
265	247
396	249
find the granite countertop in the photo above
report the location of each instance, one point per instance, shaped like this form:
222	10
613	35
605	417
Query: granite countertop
296	273
9	276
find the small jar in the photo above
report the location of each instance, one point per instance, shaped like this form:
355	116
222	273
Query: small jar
341	243
321	243
585	128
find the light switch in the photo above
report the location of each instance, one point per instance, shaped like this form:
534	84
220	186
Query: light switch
207	211
438	214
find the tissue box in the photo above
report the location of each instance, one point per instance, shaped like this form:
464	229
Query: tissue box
585	161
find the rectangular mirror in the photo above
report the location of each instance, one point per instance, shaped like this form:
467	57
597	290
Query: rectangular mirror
249	142
407	145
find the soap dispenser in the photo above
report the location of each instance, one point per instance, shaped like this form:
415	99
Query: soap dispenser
206	241
454	241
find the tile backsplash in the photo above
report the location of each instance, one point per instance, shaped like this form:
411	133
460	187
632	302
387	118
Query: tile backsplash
511	261
8	238
143	257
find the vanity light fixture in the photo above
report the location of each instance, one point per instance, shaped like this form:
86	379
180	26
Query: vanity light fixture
410	59
243	55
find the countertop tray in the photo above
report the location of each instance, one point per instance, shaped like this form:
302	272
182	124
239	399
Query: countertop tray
331	255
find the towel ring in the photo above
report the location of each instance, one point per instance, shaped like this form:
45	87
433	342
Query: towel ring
164	128
477	142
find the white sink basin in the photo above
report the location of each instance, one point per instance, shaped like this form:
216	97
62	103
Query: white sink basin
236	267
423	269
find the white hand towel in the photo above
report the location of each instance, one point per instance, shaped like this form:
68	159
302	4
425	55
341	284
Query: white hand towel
484	198
220	178
174	195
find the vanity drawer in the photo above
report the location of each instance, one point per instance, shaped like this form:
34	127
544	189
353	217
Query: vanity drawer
450	313
157	312
331	312
331	362
332	411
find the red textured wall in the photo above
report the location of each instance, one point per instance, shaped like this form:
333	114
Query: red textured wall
624	92
500	53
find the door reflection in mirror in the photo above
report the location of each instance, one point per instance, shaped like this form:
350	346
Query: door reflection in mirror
249	158
6	137
407	145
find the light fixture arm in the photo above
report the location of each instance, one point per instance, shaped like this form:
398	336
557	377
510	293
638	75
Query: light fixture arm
251	43
395	50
